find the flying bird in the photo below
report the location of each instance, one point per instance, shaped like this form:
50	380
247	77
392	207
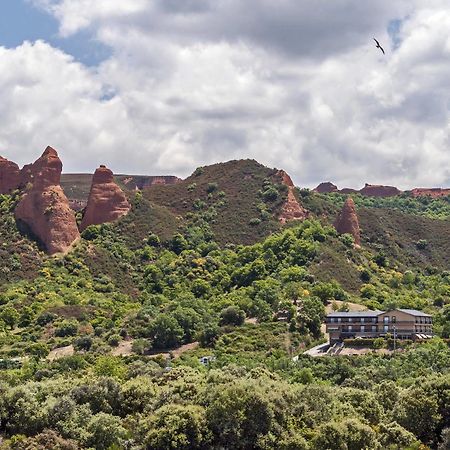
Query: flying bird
379	46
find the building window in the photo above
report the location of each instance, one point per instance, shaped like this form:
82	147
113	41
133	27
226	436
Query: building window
386	328
386	319
362	319
350	328
363	328
394	319
374	328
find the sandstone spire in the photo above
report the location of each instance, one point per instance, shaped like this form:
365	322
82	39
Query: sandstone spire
347	221
106	202
291	209
44	208
9	176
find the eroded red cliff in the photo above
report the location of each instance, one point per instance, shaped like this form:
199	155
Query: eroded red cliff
9	176
378	190
347	221
430	192
44	208
106	202
326	188
291	209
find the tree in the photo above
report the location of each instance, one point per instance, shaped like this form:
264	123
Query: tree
165	332
207	337
178	427
178	243
105	431
232	316
9	316
189	320
417	411
239	415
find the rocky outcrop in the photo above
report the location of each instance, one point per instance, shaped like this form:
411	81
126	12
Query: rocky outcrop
326	188
106	202
348	191
430	192
161	180
26	175
378	190
44	209
371	190
291	209
9	176
347	221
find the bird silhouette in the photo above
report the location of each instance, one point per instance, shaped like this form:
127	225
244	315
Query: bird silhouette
379	46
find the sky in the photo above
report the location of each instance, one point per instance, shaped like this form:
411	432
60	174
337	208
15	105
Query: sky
163	86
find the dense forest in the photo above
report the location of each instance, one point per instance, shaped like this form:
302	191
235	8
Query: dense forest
176	326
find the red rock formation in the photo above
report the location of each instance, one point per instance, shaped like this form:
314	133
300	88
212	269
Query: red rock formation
378	190
161	180
9	176
347	221
326	188
291	209
44	208
26	175
430	192
348	191
106	201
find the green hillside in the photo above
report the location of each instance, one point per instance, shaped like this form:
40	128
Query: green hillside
101	348
242	198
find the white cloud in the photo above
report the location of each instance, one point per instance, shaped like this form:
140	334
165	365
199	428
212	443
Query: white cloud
294	84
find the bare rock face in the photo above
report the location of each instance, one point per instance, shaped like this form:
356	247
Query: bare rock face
430	192
326	188
378	190
106	202
291	210
9	176
347	221
348	191
44	208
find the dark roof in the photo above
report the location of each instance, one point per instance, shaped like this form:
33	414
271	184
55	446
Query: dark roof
355	314
414	312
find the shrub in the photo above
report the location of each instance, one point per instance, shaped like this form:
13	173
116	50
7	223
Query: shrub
255	221
232	316
212	187
114	340
67	328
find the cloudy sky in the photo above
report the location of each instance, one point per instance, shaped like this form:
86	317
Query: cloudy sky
163	86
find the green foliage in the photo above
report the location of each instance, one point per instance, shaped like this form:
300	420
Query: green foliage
232	316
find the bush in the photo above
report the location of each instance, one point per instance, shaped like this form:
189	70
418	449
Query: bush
114	340
255	221
232	316
67	328
83	343
212	187
422	244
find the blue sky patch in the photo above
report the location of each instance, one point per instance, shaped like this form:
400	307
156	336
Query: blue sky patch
20	21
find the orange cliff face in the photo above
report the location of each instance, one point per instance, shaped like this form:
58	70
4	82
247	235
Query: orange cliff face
347	221
106	202
378	190
9	176
291	209
44	208
326	188
430	192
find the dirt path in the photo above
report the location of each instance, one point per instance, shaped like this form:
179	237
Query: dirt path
60	352
123	349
